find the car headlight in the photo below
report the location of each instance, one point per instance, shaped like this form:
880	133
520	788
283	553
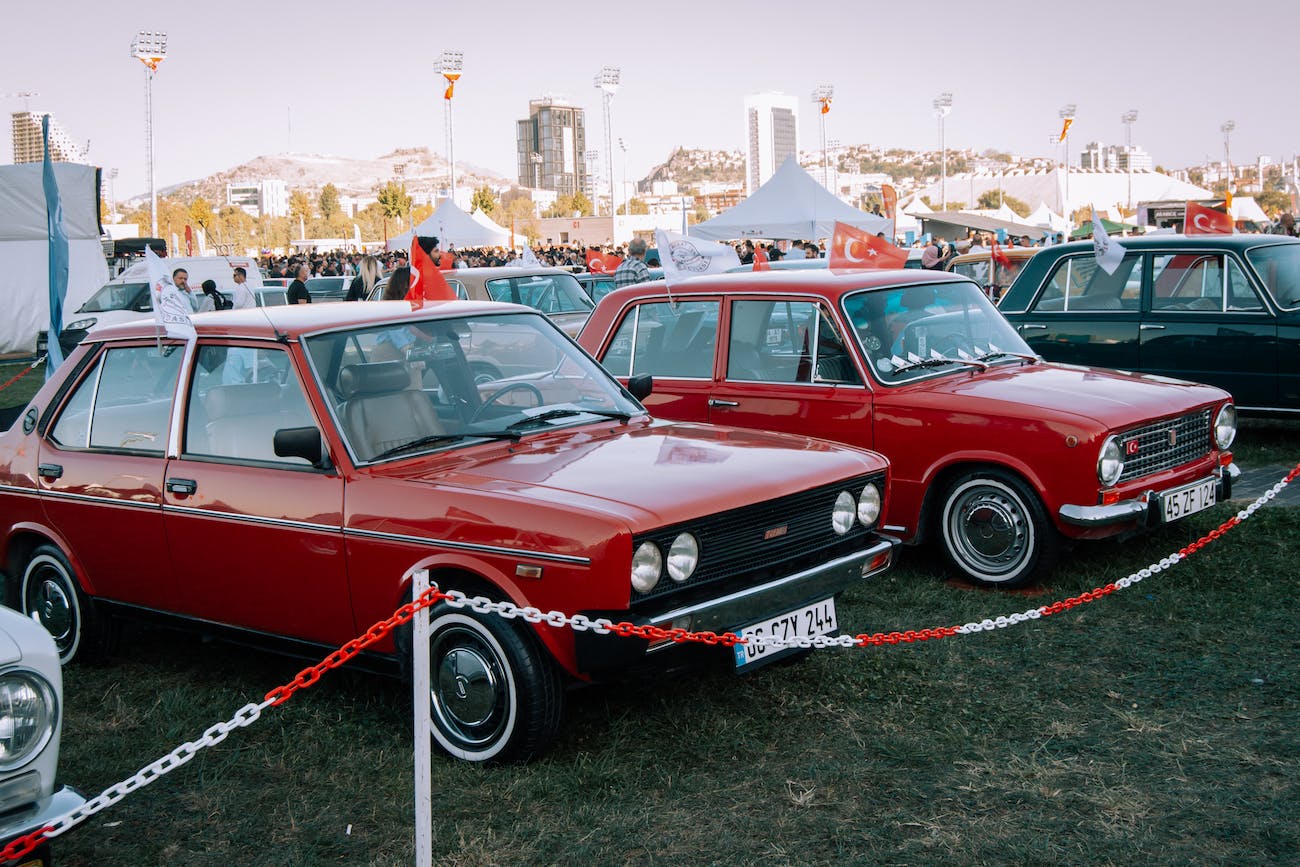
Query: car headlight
683	557
844	513
1110	463
81	325
27	716
869	505
647	563
1225	426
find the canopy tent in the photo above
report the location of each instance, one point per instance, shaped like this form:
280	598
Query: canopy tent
1112	228
1062	193
491	225
791	205
1247	209
453	228
952	223
1046	218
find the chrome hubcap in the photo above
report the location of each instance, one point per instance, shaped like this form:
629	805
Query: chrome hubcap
52	609
468	694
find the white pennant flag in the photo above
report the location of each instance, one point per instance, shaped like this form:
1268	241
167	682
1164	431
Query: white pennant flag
684	257
527	259
1109	253
171	311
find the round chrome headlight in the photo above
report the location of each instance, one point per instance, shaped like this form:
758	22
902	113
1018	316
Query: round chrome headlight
647	564
1225	426
683	557
27	716
1110	463
845	513
869	505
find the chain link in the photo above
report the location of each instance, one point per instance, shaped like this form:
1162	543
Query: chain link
17	376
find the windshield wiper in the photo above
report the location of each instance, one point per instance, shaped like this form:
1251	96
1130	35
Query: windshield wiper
433	439
566	412
989	356
940	361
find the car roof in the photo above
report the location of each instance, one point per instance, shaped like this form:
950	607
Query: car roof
507	271
829	283
1240	241
295	320
1011	252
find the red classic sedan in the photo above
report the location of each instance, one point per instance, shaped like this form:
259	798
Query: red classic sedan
997	454
278	476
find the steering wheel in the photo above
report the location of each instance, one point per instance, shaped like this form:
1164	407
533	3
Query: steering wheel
504	390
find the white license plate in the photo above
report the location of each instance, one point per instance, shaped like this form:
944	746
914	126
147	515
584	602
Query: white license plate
815	619
1188	500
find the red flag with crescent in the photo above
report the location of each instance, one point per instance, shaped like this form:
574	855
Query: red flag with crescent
602	263
761	262
427	282
1200	220
1001	258
854	248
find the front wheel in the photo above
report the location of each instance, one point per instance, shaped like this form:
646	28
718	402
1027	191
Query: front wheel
494	693
995	531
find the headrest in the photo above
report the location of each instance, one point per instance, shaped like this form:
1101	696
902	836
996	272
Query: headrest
374	378
223	401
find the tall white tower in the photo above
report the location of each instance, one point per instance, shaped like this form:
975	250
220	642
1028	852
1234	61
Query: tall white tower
771	135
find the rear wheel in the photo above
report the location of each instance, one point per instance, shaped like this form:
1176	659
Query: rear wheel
995	531
51	596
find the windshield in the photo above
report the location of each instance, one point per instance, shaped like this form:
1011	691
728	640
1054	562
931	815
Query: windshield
414	385
118	296
549	293
1278	267
897	328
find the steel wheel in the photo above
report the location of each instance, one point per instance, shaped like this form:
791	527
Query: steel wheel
995	531
51	597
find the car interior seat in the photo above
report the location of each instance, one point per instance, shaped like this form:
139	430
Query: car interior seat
381	411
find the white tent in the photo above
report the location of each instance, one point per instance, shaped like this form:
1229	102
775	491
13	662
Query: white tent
453	228
790	205
24	248
1082	187
1044	217
1246	208
491	225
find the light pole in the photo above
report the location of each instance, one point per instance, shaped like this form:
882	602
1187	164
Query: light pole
607	81
627	208
1226	129
592	156
822	95
112	193
150	47
450	65
942	105
1067	119
1130	117
834	186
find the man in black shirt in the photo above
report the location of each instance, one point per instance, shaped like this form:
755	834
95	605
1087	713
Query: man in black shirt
298	293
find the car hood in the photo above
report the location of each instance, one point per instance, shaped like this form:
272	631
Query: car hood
649	473
1110	398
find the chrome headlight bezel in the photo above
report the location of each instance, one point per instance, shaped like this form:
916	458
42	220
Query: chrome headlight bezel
647	567
869	502
844	513
1225	426
40	716
683	557
1110	461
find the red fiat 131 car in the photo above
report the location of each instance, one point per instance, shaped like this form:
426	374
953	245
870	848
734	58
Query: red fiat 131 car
277	476
997	454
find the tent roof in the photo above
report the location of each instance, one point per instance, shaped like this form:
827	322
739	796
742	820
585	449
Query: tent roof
1112	228
790	205
1246	208
947	222
453	228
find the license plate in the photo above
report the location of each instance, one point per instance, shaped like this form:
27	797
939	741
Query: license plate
815	619
1188	500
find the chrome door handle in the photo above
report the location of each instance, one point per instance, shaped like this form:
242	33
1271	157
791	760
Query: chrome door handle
713	401
182	486
1031	327
1147	327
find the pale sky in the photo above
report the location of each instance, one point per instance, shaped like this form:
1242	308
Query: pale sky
359	78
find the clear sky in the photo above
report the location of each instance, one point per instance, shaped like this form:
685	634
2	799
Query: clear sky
359	78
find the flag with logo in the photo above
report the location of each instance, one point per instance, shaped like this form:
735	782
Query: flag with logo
58	254
684	258
1200	220
427	282
1109	253
171	309
852	247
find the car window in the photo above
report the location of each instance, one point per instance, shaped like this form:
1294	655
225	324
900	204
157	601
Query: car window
1078	284
786	341
977	271
118	296
665	339
123	403
549	293
239	397
1191	282
1278	267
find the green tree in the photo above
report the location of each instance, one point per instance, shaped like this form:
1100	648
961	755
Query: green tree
484	201
634	206
394	201
992	199
328	201
1273	202
566	206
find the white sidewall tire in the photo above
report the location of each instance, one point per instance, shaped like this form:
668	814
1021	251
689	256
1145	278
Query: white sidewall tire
39	568
510	683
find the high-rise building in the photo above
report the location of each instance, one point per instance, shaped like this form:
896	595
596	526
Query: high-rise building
1114	158
552	145
771	135
28	146
265	198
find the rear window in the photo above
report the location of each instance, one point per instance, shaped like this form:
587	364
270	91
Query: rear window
549	293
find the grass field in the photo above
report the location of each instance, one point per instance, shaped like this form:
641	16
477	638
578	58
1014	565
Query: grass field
1156	726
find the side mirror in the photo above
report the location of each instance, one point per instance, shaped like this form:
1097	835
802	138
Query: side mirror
301	442
641	385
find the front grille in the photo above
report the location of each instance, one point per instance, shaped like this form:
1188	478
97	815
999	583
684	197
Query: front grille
1155	452
733	543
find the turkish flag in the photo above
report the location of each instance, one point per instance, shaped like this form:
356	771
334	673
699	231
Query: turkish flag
1200	220
854	248
427	282
602	263
760	260
1000	257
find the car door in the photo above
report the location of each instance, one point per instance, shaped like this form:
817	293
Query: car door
787	368
1082	315
256	538
676	344
101	472
1206	322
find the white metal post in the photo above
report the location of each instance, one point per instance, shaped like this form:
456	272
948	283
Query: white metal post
423	724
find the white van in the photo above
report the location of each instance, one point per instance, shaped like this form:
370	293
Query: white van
126	296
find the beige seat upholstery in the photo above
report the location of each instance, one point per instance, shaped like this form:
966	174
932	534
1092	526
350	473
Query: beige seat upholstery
243	419
381	411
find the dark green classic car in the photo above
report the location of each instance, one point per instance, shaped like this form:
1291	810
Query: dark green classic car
1218	309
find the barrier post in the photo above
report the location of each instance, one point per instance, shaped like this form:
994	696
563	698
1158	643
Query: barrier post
423	749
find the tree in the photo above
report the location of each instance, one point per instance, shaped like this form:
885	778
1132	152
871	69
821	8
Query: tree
484	201
300	205
328	201
991	200
200	213
1273	202
634	206
566	206
394	201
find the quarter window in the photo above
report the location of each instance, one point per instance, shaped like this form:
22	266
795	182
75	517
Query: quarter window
786	341
124	402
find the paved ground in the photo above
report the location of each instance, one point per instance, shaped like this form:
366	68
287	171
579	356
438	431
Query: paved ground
1256	480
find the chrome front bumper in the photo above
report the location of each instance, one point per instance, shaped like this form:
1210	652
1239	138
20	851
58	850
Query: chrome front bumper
1138	508
40	814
